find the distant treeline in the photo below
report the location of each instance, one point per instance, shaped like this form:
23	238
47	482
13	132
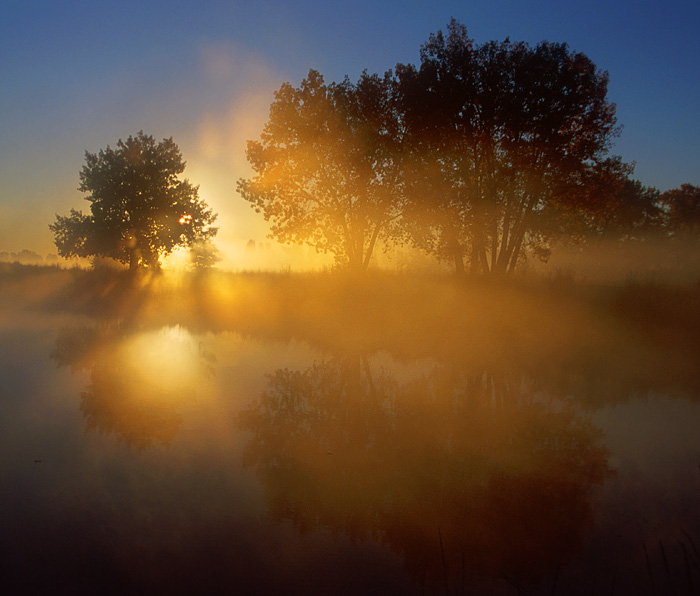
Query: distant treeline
28	257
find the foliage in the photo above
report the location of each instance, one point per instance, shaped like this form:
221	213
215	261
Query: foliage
476	456
204	255
25	256
499	134
618	207
325	172
482	154
139	209
682	211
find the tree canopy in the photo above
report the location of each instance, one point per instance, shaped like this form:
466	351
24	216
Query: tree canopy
682	211
140	210
478	153
503	136
325	167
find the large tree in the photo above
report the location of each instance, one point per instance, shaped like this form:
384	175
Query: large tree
325	168
140	210
500	135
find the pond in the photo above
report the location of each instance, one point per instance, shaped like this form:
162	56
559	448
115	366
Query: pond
149	452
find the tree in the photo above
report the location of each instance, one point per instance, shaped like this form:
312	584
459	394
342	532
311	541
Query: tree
630	211
325	172
204	255
139	209
499	134
682	211
606	204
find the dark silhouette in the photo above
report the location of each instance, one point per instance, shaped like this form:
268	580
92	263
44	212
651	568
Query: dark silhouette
325	166
619	207
139	209
25	256
473	155
501	136
682	212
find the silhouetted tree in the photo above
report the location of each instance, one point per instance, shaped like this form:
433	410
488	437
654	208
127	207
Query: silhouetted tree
139	209
616	207
635	212
498	133
325	172
25	256
682	211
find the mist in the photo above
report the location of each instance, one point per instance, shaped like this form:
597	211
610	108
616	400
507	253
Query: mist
433	429
419	332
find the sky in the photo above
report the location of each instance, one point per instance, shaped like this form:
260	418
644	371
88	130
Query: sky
77	76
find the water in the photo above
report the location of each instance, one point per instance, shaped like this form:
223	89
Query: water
149	454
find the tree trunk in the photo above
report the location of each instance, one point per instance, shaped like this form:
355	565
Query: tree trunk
459	263
455	250
474	266
370	248
133	259
517	235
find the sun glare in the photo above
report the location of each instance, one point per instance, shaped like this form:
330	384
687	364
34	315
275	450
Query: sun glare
167	360
178	260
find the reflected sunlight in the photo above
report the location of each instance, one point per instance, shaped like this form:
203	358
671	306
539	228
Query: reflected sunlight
166	359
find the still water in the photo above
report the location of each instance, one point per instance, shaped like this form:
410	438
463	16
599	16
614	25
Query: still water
142	455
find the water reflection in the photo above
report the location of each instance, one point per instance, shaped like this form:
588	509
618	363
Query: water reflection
448	449
140	378
476	474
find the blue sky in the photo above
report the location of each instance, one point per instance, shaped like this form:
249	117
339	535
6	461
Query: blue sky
77	76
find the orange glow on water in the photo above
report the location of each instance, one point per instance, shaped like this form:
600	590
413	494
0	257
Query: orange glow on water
162	364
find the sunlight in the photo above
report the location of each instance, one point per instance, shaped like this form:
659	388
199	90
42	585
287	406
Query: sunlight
178	260
167	360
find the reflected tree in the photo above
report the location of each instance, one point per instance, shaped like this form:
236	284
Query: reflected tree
482	469
112	405
124	398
